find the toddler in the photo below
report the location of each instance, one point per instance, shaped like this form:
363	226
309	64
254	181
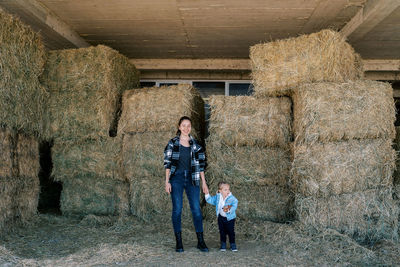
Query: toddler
226	205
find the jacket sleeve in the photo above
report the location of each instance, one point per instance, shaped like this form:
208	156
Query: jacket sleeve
202	159
234	204
168	155
211	199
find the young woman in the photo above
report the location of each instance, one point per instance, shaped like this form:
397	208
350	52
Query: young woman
184	162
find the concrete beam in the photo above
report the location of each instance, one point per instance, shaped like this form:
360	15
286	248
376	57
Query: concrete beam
323	14
375	69
51	20
382	75
239	64
194	75
368	17
381	64
192	64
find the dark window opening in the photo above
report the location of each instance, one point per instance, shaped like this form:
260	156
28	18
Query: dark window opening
50	191
167	84
240	89
147	84
206	89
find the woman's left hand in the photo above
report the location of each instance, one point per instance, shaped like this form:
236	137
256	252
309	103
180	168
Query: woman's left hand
205	188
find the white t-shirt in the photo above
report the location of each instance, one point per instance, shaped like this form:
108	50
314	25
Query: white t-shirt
221	204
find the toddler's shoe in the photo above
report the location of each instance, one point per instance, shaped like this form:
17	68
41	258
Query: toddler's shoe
233	247
223	247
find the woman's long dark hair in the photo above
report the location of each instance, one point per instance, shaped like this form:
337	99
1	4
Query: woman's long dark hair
180	121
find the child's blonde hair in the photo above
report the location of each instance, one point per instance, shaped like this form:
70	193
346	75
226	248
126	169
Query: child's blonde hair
220	184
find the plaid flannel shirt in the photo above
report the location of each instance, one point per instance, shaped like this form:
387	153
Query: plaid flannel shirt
198	161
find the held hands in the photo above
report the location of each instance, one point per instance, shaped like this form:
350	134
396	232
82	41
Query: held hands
205	188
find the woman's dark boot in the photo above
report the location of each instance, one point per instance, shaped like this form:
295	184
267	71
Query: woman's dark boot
179	245
200	242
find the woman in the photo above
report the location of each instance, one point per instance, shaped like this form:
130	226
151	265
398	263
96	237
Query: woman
184	162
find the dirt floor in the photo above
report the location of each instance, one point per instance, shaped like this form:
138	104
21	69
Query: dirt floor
105	241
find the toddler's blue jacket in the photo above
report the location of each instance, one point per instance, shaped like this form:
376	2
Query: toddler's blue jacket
230	200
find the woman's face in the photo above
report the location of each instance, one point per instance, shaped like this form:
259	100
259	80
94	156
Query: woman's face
185	127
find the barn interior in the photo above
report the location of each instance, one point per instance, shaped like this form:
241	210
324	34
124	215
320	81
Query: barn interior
88	161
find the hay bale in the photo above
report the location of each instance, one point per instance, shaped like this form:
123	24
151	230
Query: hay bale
7	154
245	120
158	109
101	157
271	203
19	181
22	98
326	112
90	194
86	87
258	178
322	170
26	197
19	198
8	188
27	154
142	154
248	165
366	216
282	65
149	201
142	157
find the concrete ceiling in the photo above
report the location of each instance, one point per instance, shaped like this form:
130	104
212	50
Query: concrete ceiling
383	41
199	29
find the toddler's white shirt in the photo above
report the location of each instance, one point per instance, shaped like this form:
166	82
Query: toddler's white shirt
221	204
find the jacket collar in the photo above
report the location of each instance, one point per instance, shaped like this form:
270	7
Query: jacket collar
220	195
176	140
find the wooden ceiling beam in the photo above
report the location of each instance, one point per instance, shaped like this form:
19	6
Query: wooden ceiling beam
192	64
238	64
51	20
381	64
367	18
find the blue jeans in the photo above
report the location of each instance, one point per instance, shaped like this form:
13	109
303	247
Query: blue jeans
180	181
226	228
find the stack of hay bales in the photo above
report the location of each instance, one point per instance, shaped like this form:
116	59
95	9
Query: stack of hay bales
149	120
19	182
86	87
248	147
342	156
22	101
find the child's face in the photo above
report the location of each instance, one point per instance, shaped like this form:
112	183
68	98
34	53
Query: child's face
224	190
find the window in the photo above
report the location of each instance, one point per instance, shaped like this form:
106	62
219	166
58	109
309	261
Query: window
206	89
240	89
167	84
147	84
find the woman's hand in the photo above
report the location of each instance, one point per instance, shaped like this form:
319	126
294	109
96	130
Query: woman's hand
168	187
167	183
205	188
